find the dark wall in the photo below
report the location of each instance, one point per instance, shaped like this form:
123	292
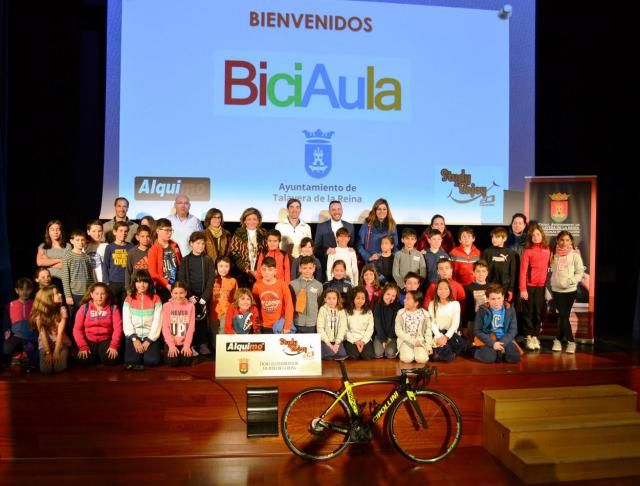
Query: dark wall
56	123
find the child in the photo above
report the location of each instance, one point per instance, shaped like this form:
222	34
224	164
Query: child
501	261
344	253
283	261
495	329
224	290
164	258
445	320
412	281
98	327
77	271
274	301
408	259
475	292
384	264
49	317
384	322
437	223
413	330
51	251
464	256
19	338
115	262
332	325
358	343
197	273
307	291
567	270
340	282
142	323
433	254
43	277
306	249
445	271
370	281
137	258
533	276
178	322
242	316
95	247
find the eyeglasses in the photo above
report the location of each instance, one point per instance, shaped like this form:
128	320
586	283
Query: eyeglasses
169	230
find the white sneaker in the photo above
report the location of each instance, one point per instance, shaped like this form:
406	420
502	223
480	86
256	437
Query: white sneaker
531	345
557	345
571	347
194	352
536	342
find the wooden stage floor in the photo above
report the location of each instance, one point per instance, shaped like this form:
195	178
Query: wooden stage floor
178	426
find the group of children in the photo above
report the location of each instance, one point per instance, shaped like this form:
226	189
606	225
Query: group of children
144	301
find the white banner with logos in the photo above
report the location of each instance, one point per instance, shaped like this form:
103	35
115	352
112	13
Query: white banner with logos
264	355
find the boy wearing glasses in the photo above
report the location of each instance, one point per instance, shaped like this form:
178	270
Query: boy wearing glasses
164	258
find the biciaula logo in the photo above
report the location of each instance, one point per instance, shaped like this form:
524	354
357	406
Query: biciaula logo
251	82
317	153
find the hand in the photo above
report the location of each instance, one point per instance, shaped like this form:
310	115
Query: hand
193	299
374	257
7	334
498	346
442	340
524	295
81	354
145	345
112	353
57	357
509	296
69	300
186	351
168	287
334	347
331	251
48	358
139	347
360	345
384	344
173	352
418	344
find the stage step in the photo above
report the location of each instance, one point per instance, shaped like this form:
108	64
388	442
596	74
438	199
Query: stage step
564	433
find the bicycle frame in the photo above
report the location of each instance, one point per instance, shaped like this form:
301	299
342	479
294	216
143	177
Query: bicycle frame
400	390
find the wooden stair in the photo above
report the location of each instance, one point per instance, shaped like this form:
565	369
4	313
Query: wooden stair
564	433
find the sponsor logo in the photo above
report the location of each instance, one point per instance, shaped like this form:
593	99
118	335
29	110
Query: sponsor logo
149	188
240	346
467	190
290	347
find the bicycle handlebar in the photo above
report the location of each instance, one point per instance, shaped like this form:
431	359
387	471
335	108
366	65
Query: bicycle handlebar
423	374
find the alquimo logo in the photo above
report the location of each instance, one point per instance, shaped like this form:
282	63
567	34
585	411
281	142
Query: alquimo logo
365	92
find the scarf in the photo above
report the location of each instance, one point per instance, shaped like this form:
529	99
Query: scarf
216	232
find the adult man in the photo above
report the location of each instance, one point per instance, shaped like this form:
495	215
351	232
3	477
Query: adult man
120	207
294	229
325	241
183	223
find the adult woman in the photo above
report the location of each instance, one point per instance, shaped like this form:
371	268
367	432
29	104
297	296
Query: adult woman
246	245
50	252
517	233
437	222
378	224
217	239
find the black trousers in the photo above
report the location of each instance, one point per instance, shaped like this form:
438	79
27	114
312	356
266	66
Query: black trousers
564	302
532	309
99	354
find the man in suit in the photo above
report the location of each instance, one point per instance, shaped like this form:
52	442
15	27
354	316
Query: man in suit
325	241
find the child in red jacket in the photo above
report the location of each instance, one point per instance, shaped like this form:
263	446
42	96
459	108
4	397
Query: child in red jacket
464	256
533	277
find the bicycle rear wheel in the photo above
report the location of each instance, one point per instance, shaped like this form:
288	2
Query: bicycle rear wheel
312	431
433	442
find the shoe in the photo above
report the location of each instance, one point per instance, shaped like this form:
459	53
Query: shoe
531	345
138	367
204	350
557	346
128	367
536	342
194	352
571	347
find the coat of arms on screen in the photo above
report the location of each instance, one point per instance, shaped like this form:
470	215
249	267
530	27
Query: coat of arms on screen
317	153
559	207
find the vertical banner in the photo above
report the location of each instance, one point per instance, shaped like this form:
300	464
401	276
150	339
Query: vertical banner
568	203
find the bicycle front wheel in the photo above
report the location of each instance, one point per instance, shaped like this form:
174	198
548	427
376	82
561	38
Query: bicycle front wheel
429	442
312	430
